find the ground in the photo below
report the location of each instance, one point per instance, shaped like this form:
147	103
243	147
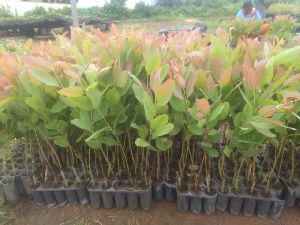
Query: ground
162	213
155	26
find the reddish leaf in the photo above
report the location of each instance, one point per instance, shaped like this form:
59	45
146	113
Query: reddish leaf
203	105
267	111
155	80
72	75
225	76
191	83
249	74
164	92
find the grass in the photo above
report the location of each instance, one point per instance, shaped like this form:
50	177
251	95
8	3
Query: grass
165	23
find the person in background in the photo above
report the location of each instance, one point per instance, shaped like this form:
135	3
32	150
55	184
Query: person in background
260	7
248	12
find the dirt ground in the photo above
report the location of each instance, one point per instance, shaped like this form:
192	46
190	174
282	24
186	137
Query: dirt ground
163	213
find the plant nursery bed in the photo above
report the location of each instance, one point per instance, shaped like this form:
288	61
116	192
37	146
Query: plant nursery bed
162	213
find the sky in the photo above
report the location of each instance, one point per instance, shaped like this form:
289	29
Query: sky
21	7
88	3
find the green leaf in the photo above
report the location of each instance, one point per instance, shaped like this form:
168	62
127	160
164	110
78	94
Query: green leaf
216	112
84	122
113	96
159	121
74	91
196	130
213	153
162	130
141	143
82	102
96	134
163	144
138	92
149	107
286	56
153	62
43	77
227	151
121	79
164	92
108	140
61	141
177	104
58	106
36	102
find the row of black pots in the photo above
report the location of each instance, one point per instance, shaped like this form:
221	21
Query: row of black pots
251	204
164	190
60	196
197	203
291	194
121	198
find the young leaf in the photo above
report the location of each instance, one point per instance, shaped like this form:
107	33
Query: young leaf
44	78
164	93
61	141
203	105
153	62
141	143
227	151
162	130
149	107
213	153
159	121
225	76
74	91
196	130
113	96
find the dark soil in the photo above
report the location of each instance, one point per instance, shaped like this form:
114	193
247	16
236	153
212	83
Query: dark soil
163	213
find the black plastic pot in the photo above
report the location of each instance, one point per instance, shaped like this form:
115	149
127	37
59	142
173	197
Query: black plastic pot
38	197
145	198
71	195
26	184
2	197
132	200
108	199
120	199
170	192
209	204
19	184
276	208
182	202
49	197
235	204
60	196
222	201
249	206
263	208
158	191
83	196
196	204
290	194
95	197
10	190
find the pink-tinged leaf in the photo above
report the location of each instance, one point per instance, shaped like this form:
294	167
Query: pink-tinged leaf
260	67
249	74
203	105
225	76
292	95
267	111
155	80
292	79
72	75
191	83
178	93
279	124
198	55
286	106
164	92
37	63
179	80
74	91
216	67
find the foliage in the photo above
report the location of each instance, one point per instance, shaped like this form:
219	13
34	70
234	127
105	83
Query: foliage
113	103
284	8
